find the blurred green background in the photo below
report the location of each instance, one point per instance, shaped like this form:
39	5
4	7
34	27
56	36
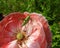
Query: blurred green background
49	8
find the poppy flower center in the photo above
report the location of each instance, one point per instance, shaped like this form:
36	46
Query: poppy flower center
21	37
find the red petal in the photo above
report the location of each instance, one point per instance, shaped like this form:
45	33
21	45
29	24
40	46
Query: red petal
12	44
46	28
8	27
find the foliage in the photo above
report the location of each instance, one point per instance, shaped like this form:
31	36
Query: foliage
49	8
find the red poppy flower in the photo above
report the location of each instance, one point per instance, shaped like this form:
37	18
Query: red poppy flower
24	30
